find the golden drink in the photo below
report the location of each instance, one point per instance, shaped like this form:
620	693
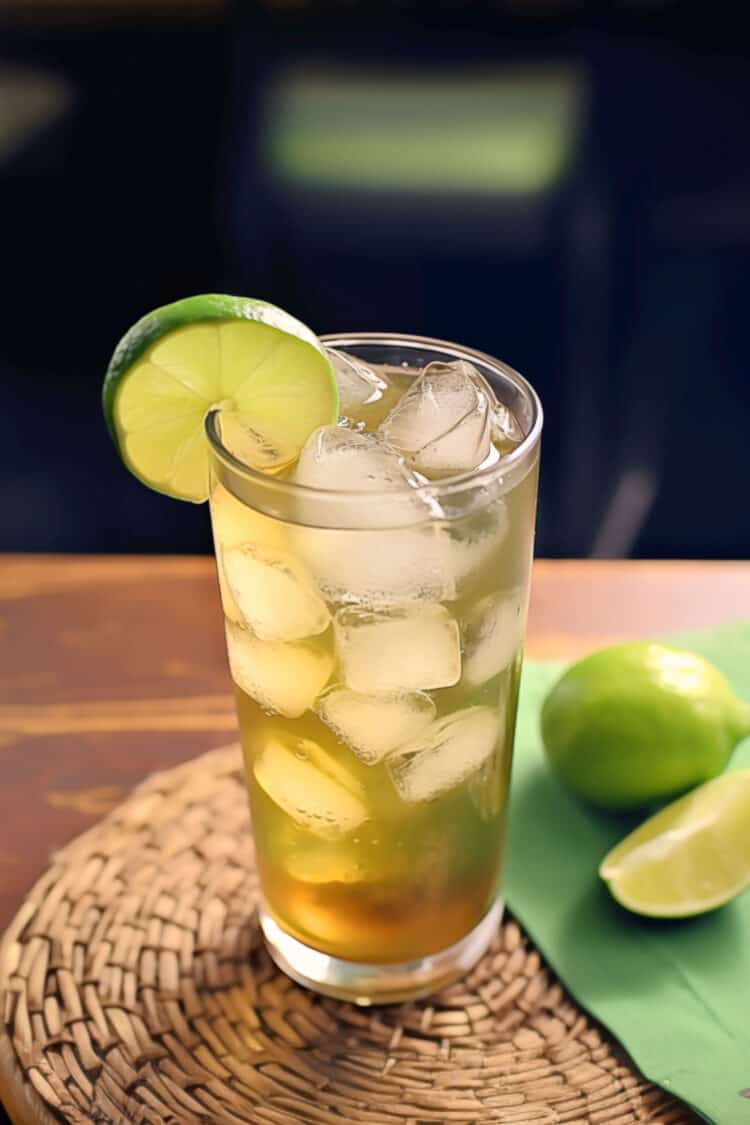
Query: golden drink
375	602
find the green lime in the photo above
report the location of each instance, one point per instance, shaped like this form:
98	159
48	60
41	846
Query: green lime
265	370
640	722
692	856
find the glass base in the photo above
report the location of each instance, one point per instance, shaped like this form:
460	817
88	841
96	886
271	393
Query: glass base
366	984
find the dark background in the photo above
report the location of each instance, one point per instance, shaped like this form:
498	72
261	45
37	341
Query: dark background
139	163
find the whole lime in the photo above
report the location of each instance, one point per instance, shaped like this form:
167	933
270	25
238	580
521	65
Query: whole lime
639	722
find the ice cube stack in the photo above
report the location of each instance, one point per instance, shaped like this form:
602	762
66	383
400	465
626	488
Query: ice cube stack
360	625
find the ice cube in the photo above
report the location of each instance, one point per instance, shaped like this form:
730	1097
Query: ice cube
492	636
231	610
335	457
378	567
431	561
274	593
294	773
471	542
286	678
443	423
235	524
374	725
408	648
321	863
358	384
396	554
445	754
488	787
506	429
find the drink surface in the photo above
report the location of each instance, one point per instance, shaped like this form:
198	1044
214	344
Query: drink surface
376	663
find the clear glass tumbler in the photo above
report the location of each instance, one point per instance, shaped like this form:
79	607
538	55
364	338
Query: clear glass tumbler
375	642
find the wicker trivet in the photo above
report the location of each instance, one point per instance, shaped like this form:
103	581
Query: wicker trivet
135	989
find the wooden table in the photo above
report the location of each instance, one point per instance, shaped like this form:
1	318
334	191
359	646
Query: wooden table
111	668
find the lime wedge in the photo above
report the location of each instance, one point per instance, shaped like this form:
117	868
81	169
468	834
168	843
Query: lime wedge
266	371
690	857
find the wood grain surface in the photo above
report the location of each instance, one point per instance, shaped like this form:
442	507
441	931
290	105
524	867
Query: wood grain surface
111	668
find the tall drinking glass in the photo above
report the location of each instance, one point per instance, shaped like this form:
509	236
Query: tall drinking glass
375	642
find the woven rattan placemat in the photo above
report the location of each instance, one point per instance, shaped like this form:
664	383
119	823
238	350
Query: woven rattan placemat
135	989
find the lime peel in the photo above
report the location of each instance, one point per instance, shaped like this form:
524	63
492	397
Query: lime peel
205	352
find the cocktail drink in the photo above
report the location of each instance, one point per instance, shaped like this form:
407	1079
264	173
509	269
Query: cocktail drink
373	501
374	587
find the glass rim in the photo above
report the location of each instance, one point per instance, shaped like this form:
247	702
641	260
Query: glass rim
430	490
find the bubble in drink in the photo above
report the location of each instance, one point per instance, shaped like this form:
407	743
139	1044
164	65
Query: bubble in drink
295	773
274	593
492	636
443	423
409	648
280	677
374	725
445	754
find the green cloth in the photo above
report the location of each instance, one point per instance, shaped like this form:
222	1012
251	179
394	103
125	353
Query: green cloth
676	994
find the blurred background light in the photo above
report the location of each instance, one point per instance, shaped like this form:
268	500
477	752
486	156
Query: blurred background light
563	184
465	133
32	101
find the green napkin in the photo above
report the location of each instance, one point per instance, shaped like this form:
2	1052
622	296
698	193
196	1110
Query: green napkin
676	994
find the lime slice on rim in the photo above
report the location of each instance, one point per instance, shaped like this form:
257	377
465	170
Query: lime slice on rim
266	371
690	857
